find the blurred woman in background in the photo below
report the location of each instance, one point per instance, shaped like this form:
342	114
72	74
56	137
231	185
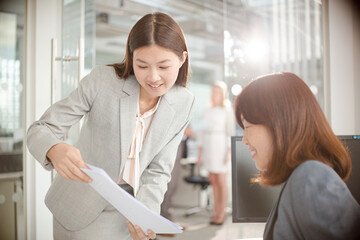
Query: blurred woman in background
214	146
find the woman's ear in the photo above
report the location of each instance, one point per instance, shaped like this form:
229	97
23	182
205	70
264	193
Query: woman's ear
183	58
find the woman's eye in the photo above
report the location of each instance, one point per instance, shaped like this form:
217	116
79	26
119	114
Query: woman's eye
164	67
142	67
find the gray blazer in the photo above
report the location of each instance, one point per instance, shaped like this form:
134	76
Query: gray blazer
109	105
314	204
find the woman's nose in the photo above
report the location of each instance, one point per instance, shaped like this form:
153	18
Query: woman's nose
154	75
244	139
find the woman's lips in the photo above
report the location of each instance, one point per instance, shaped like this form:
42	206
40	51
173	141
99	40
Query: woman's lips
154	86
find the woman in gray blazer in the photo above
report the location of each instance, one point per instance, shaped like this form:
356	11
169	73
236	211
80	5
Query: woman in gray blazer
292	143
135	115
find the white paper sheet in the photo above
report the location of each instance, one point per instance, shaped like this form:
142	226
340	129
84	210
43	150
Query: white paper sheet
132	209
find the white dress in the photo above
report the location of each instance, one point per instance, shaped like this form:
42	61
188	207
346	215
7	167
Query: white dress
218	127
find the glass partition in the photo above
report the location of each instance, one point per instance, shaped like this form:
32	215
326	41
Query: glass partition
77	45
266	36
11	119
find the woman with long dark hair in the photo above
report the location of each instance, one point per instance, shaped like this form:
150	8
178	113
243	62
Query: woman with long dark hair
292	143
135	113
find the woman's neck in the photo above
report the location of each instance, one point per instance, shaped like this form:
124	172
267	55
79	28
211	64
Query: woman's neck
146	102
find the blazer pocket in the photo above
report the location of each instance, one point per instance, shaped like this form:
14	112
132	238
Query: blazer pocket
74	204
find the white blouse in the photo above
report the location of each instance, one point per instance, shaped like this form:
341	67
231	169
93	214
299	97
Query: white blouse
131	169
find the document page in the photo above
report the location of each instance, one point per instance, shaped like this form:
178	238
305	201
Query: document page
132	209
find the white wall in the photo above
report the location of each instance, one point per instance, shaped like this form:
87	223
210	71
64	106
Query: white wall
343	68
43	23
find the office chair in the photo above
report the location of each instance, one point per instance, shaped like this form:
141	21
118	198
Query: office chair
203	183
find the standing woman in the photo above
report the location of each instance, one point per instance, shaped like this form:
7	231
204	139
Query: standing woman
135	114
214	146
292	143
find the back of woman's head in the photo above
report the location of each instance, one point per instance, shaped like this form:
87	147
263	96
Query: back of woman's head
286	106
160	29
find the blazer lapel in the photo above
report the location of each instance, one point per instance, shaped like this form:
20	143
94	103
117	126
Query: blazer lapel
157	134
128	110
269	228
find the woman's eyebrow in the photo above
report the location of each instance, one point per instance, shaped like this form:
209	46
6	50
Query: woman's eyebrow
142	61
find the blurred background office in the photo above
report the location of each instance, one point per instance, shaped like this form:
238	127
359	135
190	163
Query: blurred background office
46	46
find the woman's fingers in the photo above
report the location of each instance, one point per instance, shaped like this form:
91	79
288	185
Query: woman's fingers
67	172
151	234
130	227
71	171
132	231
74	167
67	161
137	233
62	173
140	233
76	158
77	174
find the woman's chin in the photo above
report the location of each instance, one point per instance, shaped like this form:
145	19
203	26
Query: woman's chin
260	168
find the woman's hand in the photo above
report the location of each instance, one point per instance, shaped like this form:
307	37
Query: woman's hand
138	234
67	161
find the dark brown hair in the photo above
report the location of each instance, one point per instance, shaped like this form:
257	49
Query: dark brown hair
286	106
160	29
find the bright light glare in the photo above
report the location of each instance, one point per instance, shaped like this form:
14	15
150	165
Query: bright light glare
256	50
314	89
236	89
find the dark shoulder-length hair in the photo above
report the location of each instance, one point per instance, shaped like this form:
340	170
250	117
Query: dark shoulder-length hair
160	29
286	106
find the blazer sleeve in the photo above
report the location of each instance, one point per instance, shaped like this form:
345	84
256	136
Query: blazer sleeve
156	176
55	123
318	205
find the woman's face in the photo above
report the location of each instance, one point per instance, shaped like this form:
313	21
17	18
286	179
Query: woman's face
156	69
217	96
259	140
